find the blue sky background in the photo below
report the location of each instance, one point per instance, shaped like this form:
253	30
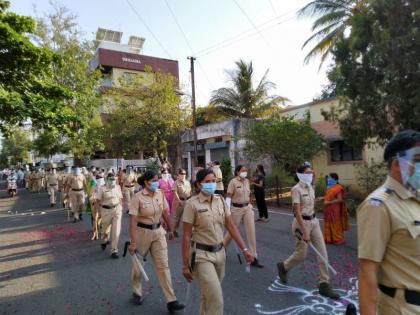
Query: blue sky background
276	45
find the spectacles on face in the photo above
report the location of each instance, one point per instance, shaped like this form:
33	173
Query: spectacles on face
183	174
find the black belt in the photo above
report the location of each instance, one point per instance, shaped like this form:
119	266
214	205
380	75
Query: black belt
184	199
149	226
77	189
209	248
240	205
129	186
53	185
108	207
308	217
411	297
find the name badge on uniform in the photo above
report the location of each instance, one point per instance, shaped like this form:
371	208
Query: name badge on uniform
147	203
202	210
305	195
238	186
417	223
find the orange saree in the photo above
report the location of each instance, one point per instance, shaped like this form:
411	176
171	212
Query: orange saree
336	217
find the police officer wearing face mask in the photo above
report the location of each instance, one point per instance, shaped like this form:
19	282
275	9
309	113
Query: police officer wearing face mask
76	187
303	199
147	208
388	224
109	198
238	199
203	254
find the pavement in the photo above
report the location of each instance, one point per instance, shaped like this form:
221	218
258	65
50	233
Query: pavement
49	265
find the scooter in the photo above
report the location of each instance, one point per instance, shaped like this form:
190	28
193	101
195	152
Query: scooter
12	188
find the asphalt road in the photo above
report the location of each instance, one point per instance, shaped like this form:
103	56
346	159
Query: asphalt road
50	266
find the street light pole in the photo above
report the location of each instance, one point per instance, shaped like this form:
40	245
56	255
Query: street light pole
195	159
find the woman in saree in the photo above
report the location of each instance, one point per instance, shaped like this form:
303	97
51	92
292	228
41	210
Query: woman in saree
336	218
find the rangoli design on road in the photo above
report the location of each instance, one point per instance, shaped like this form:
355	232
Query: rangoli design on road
312	301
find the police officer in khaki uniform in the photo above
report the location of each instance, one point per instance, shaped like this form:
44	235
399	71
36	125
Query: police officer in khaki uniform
238	200
147	208
62	185
52	184
37	181
219	178
388	224
303	199
182	192
128	183
109	198
205	217
76	187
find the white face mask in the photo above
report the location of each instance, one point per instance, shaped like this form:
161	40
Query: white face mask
165	176
305	178
243	174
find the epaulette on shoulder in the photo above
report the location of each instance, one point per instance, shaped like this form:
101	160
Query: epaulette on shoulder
379	196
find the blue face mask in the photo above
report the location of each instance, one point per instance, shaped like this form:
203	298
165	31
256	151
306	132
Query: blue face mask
154	186
208	188
331	182
414	180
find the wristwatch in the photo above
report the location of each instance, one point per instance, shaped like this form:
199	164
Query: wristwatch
245	250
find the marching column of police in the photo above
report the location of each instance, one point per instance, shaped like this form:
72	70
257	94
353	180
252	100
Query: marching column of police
388	227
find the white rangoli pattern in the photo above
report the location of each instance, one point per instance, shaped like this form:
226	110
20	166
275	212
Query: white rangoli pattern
312	301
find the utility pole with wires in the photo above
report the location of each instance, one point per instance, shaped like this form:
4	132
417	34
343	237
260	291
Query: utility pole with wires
195	159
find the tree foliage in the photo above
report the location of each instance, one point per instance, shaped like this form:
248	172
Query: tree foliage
333	19
242	99
143	113
15	148
27	87
377	73
49	142
58	31
286	141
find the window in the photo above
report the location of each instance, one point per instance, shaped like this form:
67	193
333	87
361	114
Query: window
340	151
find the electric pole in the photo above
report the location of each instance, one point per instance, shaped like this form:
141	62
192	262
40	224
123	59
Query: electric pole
195	159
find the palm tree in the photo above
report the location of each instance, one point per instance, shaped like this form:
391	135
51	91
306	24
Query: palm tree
333	20
242	99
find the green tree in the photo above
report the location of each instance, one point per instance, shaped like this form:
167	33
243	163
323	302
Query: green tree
49	143
143	113
28	90
377	73
242	99
15	148
59	32
287	141
333	19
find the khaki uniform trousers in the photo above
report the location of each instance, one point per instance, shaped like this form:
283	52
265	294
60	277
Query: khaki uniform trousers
301	248
153	242
35	185
179	210
396	306
209	271
111	226
52	191
128	193
245	215
77	200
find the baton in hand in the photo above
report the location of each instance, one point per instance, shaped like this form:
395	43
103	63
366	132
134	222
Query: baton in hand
238	253
136	258
299	234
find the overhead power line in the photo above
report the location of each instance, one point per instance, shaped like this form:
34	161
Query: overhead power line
148	28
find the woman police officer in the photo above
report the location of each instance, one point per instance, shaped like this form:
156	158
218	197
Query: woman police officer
146	210
205	216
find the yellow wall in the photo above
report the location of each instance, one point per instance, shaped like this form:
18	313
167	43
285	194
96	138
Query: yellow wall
347	171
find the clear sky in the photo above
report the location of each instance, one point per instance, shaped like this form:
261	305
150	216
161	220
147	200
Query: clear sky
275	46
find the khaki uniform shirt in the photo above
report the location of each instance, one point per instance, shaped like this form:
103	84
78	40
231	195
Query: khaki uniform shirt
148	208
128	179
219	177
240	190
207	218
304	195
75	182
182	188
52	179
109	196
388	226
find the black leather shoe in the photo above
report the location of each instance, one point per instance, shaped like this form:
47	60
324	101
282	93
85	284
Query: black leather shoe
282	272
115	256
175	306
103	245
137	299
256	264
80	217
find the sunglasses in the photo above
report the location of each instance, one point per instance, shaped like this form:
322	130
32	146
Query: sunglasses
182	173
